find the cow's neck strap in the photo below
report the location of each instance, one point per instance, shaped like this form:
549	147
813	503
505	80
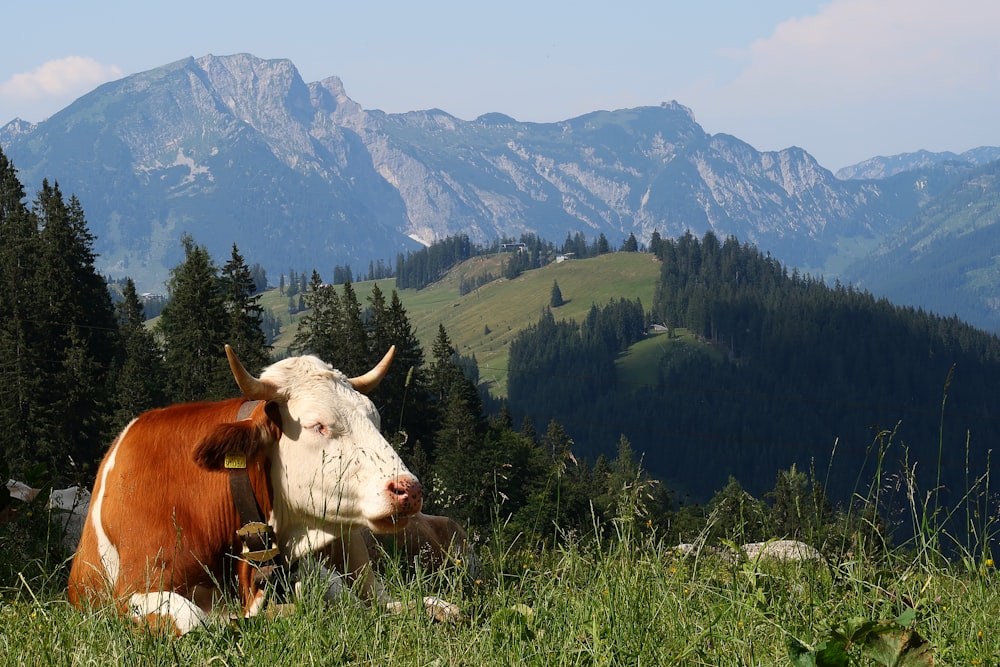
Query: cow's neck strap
258	539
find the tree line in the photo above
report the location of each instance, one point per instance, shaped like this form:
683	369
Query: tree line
420	268
781	370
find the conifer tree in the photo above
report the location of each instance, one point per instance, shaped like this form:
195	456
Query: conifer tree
442	366
404	398
321	327
354	356
81	334
194	326
556	299
460	466
140	376
21	343
246	315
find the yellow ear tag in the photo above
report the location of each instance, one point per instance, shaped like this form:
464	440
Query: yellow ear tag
236	460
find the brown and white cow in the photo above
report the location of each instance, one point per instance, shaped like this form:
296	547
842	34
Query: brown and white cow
429	541
159	539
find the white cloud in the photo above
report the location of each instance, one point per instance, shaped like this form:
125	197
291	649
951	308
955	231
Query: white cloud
862	78
859	51
59	79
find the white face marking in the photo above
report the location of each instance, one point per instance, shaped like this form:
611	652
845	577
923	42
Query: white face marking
110	560
332	466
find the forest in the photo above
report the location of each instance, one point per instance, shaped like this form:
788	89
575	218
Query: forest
787	371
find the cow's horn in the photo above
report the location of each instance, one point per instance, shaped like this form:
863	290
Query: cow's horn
367	382
251	387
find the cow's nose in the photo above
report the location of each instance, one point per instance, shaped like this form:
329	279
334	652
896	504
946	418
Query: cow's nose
406	494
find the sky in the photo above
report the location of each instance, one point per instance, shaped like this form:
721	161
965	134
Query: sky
845	80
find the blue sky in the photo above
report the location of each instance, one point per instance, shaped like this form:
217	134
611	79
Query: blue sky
843	79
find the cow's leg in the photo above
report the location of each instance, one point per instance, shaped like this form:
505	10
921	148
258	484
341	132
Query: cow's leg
370	587
158	607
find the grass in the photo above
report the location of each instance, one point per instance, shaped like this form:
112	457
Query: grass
627	599
485	321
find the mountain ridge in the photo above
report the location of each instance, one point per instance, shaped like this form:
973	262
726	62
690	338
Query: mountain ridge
240	149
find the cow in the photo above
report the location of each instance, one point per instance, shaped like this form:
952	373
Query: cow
160	541
432	542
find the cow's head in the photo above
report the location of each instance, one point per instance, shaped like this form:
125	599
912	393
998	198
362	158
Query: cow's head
330	466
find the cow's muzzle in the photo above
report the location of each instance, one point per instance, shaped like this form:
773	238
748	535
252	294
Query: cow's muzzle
405	495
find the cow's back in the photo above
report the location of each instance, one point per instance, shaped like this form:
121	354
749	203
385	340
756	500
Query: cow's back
157	520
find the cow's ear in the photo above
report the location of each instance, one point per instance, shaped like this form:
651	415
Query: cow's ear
240	443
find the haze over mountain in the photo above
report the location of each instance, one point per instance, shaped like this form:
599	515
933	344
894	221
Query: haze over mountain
240	149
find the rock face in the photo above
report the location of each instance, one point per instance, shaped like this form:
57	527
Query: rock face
240	149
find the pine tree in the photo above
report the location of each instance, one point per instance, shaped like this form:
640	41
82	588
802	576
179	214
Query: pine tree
354	353
630	244
81	332
140	376
21	343
556	299
459	464
194	326
404	396
246	315
442	366
601	245
321	328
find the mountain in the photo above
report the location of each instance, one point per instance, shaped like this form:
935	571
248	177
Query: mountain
226	149
240	149
946	258
883	167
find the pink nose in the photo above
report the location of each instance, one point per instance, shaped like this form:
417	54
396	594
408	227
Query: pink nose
406	495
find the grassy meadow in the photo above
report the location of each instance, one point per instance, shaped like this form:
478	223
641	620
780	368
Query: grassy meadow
626	599
484	321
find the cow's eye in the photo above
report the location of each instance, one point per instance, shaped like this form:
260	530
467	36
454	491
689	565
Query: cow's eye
319	428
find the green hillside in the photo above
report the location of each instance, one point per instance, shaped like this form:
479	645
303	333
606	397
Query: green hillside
484	321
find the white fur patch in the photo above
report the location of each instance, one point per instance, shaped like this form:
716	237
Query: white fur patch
184	613
110	560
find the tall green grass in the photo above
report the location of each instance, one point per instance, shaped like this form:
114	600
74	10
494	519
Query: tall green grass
621	595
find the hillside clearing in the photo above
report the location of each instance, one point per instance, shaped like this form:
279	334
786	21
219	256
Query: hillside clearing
483	322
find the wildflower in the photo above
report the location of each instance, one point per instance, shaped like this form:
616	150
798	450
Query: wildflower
989	562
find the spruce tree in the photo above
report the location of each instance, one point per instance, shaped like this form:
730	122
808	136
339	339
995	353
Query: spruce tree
321	327
404	398
140	376
556	298
246	315
21	343
81	332
195	325
460	468
353	354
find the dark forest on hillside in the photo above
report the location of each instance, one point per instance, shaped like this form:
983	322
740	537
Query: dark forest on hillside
791	371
